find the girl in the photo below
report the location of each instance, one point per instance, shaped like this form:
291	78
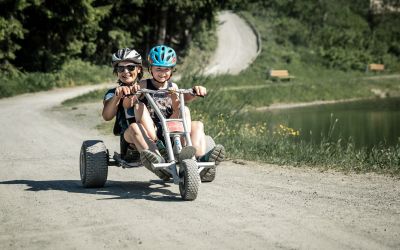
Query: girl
127	65
162	60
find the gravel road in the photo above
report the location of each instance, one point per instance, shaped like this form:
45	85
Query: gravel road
237	46
250	206
259	206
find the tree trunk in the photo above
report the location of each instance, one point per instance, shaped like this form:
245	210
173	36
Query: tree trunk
162	28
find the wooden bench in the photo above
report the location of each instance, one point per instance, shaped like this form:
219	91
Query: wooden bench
374	67
279	74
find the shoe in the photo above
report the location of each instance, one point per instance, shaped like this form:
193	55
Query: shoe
148	157
187	153
217	155
162	149
132	155
163	175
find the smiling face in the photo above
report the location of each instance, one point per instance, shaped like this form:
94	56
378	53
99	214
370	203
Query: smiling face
161	74
127	73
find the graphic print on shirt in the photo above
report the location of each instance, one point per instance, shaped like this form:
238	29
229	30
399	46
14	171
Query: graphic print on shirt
129	113
164	103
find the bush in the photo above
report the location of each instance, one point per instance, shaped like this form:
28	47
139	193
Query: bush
72	73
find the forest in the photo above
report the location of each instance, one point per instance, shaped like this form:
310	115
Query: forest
44	35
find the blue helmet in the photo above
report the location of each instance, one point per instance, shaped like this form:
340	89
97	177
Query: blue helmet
162	56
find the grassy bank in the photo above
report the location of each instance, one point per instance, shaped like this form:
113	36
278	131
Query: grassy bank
222	110
253	140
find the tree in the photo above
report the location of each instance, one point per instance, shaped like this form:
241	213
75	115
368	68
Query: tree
58	30
143	24
11	31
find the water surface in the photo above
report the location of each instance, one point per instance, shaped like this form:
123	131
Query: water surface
367	122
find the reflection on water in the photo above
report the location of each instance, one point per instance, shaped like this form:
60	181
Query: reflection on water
367	122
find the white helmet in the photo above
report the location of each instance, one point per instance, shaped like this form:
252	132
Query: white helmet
126	54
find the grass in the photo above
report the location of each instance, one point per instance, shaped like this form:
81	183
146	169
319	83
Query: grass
253	140
93	96
72	73
222	110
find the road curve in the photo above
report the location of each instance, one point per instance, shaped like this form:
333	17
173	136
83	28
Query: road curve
237	46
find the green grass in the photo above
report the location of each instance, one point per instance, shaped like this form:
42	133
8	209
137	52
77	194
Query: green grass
222	110
252	140
93	96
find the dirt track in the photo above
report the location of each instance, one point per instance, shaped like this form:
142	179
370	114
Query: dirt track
237	46
252	206
247	206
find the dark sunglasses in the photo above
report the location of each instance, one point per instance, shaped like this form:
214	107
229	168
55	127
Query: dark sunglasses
121	69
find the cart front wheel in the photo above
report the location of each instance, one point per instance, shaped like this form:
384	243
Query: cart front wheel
189	186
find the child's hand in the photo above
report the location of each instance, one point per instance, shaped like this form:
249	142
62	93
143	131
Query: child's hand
172	90
200	90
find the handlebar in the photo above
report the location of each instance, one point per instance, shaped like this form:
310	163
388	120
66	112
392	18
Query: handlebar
171	91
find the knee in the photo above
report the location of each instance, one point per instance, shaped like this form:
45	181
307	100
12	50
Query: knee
134	129
187	111
197	126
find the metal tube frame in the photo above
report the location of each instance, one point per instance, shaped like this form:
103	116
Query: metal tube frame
171	166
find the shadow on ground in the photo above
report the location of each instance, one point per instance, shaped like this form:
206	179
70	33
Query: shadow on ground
155	190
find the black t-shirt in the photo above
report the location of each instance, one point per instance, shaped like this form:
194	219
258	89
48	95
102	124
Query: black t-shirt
124	116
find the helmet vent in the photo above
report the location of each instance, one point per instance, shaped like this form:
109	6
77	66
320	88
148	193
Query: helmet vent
162	56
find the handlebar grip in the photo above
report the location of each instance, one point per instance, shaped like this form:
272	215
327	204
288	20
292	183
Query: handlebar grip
129	95
193	93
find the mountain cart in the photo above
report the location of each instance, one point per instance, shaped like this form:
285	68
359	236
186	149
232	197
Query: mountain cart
181	166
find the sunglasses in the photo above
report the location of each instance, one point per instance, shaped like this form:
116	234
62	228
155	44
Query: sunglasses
121	69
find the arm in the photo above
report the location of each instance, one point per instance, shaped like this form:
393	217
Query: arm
111	103
175	102
198	90
110	108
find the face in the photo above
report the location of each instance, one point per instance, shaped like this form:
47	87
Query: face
127	72
161	74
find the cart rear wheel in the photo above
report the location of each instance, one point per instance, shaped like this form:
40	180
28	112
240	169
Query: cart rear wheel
93	164
208	175
189	187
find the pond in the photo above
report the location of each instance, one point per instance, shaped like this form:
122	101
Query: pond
366	122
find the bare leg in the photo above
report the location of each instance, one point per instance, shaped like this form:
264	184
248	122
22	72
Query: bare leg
198	138
137	135
143	117
188	118
134	135
197	135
